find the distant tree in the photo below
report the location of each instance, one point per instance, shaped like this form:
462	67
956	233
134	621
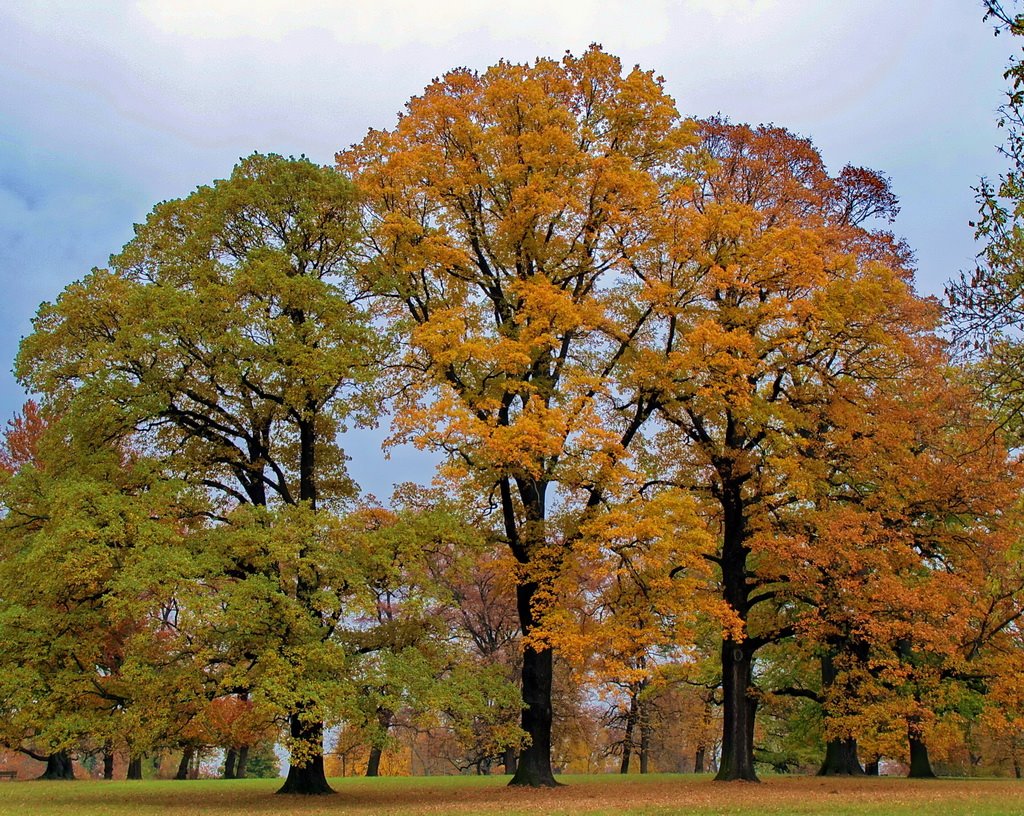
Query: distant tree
87	574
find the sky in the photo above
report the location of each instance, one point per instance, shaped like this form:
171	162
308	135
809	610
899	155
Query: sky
108	107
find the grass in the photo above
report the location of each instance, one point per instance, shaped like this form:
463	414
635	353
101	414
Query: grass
655	795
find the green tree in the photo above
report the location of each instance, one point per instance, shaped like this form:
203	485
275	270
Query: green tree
91	555
986	306
230	337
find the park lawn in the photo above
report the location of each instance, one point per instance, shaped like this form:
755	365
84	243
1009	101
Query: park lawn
611	795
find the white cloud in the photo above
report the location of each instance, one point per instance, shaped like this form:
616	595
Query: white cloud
396	23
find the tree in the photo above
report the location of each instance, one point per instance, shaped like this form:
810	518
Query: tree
986	307
88	542
789	302
508	216
229	336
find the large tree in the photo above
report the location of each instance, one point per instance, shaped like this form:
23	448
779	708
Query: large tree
791	302
230	337
510	215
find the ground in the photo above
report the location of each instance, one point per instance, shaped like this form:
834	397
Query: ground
656	795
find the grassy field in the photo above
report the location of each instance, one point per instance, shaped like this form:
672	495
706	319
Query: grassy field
656	795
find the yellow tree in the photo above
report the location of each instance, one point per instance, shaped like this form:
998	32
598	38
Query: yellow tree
512	216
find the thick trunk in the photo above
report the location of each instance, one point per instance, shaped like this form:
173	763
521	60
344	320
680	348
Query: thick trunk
510	759
58	766
306	775
384	717
229	763
243	760
108	763
739	705
698	759
920	765
871	768
841	759
373	763
186	760
135	768
840	754
738	710
627	739
534	767
308	778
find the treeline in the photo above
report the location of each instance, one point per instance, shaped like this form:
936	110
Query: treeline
709	465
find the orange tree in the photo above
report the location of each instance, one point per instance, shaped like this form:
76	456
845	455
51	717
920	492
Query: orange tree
924	521
510	215
790	302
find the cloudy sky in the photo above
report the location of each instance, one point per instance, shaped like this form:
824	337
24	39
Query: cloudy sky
109	106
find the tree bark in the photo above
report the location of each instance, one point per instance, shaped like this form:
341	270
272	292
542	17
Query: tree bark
738	710
739	705
840	754
627	740
229	763
186	760
920	764
841	759
373	763
525	540
307	779
384	717
645	737
58	766
243	761
134	768
698	759
534	767
871	768
108	763
510	759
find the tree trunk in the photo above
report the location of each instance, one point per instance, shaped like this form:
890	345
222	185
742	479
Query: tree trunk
739	706
229	763
920	765
534	768
384	717
840	754
738	710
108	763
871	768
243	760
841	759
373	763
698	759
134	768
509	760
627	740
186	760
307	779
59	766
645	738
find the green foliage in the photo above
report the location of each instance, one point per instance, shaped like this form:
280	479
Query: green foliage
263	762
